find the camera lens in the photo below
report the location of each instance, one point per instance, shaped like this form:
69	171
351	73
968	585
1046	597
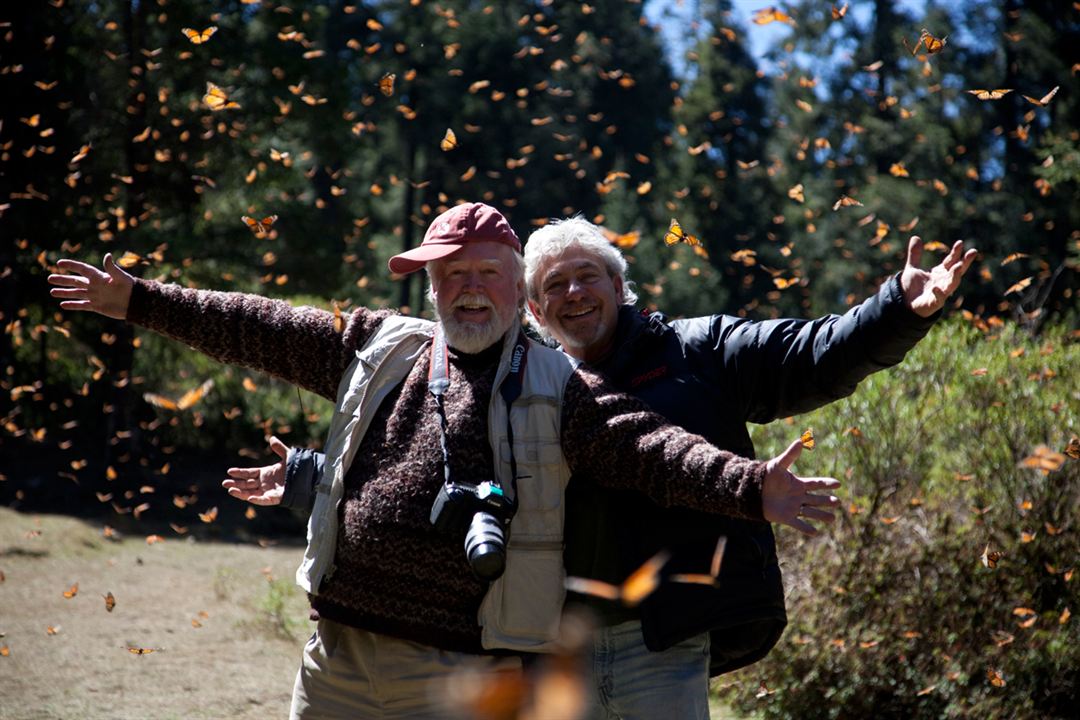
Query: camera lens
485	546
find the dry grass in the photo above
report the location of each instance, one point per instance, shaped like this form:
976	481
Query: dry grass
240	663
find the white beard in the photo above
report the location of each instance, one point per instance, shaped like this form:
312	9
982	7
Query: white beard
472	337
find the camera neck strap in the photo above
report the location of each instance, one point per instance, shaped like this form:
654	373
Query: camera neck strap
510	389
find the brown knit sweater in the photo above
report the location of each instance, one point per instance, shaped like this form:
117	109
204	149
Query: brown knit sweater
394	573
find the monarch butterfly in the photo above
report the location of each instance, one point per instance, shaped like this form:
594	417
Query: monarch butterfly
72	591
1073	449
339	319
784	283
449	141
110	602
714	569
771	14
807	439
141	650
1045	99
1019	286
989	94
1043	458
261	228
990	557
217	99
625	241
186	400
278	155
636	588
210	515
931	43
676	234
839	13
845	201
797	193
196	37
386	84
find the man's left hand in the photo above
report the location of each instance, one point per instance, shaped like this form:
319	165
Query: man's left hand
925	291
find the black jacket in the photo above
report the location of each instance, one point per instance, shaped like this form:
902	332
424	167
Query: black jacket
712	375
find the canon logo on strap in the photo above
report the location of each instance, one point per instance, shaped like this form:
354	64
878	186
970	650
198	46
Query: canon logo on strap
515	359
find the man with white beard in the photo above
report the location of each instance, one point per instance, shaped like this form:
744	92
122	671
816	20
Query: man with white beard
444	434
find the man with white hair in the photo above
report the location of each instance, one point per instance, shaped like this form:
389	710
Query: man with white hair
710	375
442	432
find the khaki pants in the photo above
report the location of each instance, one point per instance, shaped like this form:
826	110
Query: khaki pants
352	673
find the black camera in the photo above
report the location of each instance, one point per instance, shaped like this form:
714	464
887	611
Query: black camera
483	513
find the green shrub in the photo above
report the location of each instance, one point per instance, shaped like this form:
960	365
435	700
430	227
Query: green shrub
893	612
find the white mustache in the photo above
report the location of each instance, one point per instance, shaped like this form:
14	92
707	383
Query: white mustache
473	300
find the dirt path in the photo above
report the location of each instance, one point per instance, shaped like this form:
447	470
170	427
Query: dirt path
239	663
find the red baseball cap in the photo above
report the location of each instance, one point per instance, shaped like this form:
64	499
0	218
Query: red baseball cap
448	233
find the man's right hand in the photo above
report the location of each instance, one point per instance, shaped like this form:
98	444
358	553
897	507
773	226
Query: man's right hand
260	485
89	289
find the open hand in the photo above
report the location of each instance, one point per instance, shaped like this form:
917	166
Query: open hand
925	291
787	498
89	289
260	485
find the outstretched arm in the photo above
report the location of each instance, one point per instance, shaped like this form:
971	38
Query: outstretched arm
301	345
88	289
925	291
618	442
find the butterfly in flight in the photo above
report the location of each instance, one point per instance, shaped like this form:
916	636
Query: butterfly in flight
807	439
110	602
1044	100
261	228
641	583
449	141
989	94
845	201
186	400
196	37
217	99
386	84
676	234
714	569
932	44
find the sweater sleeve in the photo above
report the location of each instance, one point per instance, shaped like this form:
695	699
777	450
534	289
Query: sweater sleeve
617	440
296	344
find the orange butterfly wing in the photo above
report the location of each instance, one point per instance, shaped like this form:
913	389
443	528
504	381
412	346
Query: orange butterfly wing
217	99
198	38
449	141
261	228
386	84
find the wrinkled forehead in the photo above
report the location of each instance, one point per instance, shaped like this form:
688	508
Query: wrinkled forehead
573	259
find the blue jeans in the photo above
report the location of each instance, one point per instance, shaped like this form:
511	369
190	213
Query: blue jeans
629	682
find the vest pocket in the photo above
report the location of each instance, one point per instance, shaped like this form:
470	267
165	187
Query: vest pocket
522	608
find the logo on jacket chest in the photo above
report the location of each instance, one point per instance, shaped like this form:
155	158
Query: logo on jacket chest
648	376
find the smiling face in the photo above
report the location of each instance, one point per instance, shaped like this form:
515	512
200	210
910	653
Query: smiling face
578	303
477	294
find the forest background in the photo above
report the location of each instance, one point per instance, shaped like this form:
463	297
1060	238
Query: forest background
797	174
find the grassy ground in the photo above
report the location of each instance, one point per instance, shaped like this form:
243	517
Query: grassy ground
240	662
